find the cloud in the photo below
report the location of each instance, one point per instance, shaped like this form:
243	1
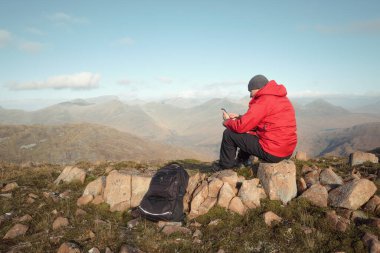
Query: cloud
5	38
61	18
165	79
129	82
125	41
31	47
80	81
217	89
34	30
371	27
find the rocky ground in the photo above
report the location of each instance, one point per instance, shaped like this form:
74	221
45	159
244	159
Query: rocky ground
40	212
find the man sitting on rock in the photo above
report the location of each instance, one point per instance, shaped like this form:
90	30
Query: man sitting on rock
267	130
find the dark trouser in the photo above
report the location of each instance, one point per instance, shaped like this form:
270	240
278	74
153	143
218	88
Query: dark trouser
248	145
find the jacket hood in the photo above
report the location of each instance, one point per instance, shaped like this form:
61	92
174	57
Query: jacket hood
272	88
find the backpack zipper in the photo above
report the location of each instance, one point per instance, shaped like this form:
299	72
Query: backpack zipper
154	213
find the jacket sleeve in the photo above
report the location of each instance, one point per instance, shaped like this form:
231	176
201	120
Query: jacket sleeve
249	120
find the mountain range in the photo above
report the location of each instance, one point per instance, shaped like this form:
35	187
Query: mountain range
199	127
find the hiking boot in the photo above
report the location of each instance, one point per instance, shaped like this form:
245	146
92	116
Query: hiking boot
215	167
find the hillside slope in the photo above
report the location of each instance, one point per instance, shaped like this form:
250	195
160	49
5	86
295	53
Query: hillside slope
74	142
342	142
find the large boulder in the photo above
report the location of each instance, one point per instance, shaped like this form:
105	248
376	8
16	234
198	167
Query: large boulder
140	185
194	181
279	180
214	187
250	193
70	174
199	196
329	178
359	157
225	195
353	194
228	176
95	187
237	206
317	195
117	192
207	205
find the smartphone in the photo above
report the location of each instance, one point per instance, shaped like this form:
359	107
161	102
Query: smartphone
224	110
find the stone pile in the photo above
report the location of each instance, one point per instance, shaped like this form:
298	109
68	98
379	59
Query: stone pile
277	181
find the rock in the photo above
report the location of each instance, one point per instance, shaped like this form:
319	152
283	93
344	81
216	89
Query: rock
368	237
195	224
117	192
317	195
87	235
194	180
220	251
301	156
353	194
312	177
140	185
94	250
371	242
84	200
69	247
70	174
337	222
301	185
374	246
108	250
133	223
80	212
60	222
237	206
214	222
30	200
162	224
97	200
197	233
279	180
328	177
32	195
10	187
359	157
214	187
374	222
372	204
270	218
250	194
6	195
15	231
25	218
306	169
200	196
129	249
95	187
228	176
197	240
225	195
65	194
168	230
207	205
358	216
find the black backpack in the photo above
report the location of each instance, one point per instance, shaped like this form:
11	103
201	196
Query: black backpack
164	198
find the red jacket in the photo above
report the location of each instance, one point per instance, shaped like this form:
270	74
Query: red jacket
271	117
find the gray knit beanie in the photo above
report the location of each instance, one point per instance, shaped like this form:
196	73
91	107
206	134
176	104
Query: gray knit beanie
257	82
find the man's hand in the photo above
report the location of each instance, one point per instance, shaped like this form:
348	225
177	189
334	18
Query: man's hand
225	115
234	115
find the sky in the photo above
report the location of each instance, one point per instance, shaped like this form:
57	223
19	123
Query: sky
61	50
